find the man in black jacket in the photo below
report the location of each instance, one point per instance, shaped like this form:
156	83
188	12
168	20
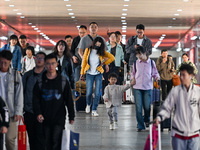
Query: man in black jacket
74	51
50	95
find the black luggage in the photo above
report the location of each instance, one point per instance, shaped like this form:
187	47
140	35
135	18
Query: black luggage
156	100
166	124
81	103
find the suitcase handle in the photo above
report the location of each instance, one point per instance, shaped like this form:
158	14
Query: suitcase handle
150	133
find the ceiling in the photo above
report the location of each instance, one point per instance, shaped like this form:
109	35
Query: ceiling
52	18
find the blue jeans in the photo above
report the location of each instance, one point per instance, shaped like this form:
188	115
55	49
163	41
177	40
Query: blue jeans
77	71
191	144
112	113
142	99
89	89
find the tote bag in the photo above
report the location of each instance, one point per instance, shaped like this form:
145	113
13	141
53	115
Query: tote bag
21	135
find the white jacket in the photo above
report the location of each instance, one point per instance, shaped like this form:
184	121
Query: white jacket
186	105
114	94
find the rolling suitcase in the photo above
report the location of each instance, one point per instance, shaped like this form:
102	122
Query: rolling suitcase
155	100
166	124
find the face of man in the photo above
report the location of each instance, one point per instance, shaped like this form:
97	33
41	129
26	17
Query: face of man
23	42
185	58
82	32
93	28
69	41
119	38
39	60
164	54
13	42
51	65
140	33
185	77
4	64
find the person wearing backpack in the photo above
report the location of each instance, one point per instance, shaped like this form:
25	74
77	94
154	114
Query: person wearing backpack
51	94
15	50
11	90
33	127
28	61
144	69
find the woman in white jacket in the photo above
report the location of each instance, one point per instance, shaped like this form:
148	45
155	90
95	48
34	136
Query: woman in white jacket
185	101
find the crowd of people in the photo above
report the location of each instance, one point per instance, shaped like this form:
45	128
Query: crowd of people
37	87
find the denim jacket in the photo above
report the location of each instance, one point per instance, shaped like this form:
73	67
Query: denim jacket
14	94
119	56
16	60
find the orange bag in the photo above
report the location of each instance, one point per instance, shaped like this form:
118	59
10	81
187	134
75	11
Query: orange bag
176	80
21	136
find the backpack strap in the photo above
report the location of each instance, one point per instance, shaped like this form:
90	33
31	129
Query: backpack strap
90	37
135	66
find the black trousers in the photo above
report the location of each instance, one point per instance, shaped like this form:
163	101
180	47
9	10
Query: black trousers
35	132
1	141
53	137
166	86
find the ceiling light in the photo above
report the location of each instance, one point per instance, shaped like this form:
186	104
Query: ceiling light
124	23
19	13
169	26
123	30
7	0
123	17
178	49
125	5
78	27
69	9
22	17
15	9
124	14
3	38
185	0
68	5
123	20
71	13
186	49
124	26
73	17
163	34
29	23
66	0
126	0
124	9
176	14
33	26
38	31
194	38
179	10
123	35
174	18
11	5
41	33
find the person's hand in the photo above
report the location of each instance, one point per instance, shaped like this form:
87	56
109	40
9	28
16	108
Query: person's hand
133	82
107	68
71	122
157	121
75	59
17	117
81	77
102	64
125	62
3	130
40	118
106	100
157	79
164	60
136	46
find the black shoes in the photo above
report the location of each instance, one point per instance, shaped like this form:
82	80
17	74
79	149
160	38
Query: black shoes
147	124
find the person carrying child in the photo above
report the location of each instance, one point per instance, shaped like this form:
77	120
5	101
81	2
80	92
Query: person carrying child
113	98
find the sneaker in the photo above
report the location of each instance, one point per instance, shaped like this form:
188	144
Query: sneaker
95	114
139	130
146	124
115	125
87	109
111	126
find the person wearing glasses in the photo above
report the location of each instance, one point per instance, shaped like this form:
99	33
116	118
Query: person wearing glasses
34	129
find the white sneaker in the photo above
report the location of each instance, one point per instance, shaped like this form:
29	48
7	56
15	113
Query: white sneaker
95	114
115	125
87	109
111	126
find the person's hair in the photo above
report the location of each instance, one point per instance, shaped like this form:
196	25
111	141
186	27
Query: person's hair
185	54
68	36
188	68
22	37
6	54
112	33
41	53
83	26
163	50
50	56
66	52
13	37
112	75
93	23
140	26
140	50
101	51
118	33
31	48
169	55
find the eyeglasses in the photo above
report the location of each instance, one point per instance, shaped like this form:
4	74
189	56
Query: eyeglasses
52	64
38	58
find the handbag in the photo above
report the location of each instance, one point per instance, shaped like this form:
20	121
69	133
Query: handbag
176	80
22	135
70	140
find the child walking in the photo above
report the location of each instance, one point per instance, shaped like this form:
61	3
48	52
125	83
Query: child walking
113	98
